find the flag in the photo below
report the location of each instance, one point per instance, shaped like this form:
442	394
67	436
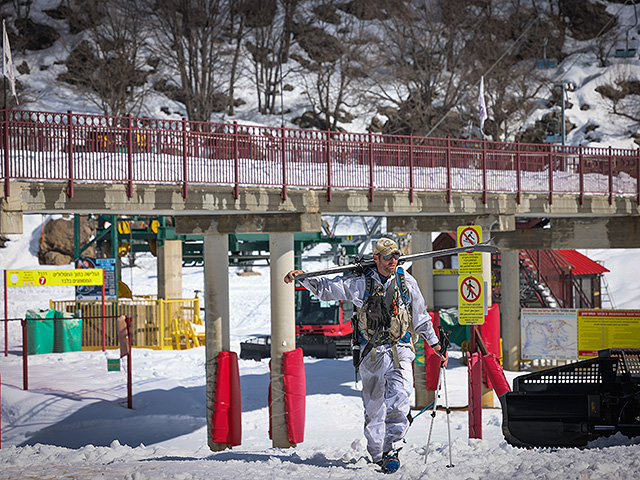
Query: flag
482	108
7	62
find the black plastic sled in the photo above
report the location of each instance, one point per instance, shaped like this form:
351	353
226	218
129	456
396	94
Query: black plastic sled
571	405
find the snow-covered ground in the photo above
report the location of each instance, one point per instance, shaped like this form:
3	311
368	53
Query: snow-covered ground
73	423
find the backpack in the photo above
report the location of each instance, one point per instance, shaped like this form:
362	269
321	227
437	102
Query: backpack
380	320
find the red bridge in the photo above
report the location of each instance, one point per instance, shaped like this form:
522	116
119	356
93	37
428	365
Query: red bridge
80	148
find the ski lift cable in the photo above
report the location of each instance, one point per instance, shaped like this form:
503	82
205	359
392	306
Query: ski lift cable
477	84
514	44
626	34
582	53
613	17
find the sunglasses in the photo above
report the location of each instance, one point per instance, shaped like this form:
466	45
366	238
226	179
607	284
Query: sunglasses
395	255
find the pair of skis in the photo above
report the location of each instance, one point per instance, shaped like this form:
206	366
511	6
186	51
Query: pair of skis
360	265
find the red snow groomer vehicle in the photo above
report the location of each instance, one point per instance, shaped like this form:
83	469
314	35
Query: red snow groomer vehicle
571	405
323	329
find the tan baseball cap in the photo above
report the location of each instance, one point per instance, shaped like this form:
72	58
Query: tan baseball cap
385	246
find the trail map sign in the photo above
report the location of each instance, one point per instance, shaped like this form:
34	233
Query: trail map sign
470	300
549	333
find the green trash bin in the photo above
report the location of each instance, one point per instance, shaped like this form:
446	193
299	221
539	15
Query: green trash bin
450	322
40	332
67	334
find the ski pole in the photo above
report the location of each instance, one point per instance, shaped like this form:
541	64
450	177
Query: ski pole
444	345
448	410
433	417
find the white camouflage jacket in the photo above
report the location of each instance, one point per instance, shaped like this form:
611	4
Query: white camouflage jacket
352	287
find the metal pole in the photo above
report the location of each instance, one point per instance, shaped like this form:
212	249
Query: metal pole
564	130
448	410
129	379
25	363
104	322
433	415
6	315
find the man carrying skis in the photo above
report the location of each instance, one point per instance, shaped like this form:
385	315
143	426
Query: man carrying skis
390	305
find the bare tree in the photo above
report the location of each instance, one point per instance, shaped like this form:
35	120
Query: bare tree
22	8
623	95
435	52
269	24
514	35
422	64
333	59
109	68
237	33
191	41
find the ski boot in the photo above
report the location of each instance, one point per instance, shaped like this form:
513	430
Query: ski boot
390	462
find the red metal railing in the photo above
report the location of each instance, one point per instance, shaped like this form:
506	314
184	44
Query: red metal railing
563	285
70	147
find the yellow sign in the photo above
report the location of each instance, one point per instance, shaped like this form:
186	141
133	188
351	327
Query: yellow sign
54	278
470	300
601	329
469	235
445	271
470	263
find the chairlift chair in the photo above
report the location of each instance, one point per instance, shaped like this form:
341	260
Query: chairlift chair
545	62
629	51
551	133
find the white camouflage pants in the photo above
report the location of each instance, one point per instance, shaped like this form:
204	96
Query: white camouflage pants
386	394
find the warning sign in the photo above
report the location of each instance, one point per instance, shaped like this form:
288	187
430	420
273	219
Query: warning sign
470	300
470	263
469	235
600	329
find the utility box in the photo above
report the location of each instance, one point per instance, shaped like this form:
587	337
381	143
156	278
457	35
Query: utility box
40	332
67	333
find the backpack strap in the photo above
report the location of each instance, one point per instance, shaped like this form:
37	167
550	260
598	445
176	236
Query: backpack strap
369	284
406	298
402	285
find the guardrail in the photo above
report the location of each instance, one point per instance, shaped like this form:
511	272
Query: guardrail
157	323
74	148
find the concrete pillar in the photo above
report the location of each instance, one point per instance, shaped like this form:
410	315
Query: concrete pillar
510	279
283	329
11	213
170	269
422	270
10	222
216	299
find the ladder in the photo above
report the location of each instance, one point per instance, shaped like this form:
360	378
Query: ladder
605	293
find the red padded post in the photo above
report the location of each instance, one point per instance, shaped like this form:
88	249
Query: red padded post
490	330
431	360
227	407
475	395
295	394
493	369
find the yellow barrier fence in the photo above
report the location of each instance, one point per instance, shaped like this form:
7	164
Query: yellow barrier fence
156	323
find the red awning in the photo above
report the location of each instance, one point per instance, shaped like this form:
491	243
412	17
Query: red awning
582	265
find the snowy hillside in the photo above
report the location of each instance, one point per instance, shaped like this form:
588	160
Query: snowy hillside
580	70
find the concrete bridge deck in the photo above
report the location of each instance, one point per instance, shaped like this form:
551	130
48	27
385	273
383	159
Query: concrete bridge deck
589	221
